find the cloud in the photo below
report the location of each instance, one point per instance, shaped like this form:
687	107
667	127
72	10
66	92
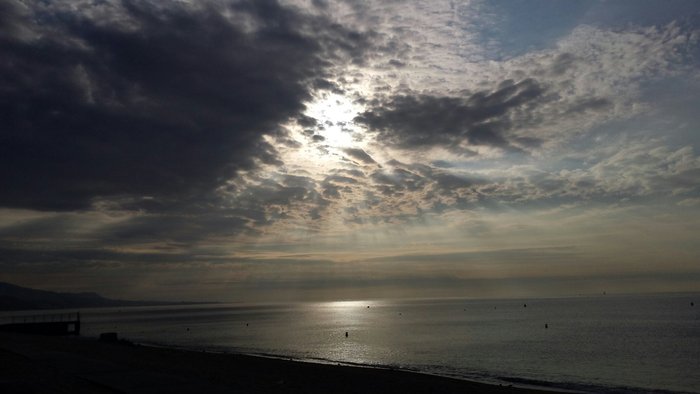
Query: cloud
480	118
175	229
147	135
51	227
360	155
588	76
71	259
689	202
558	253
134	99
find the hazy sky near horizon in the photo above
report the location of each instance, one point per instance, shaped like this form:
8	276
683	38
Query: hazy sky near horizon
266	151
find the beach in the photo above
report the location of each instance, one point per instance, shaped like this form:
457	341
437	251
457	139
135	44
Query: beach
79	365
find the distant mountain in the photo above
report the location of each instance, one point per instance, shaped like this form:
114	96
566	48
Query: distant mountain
14	297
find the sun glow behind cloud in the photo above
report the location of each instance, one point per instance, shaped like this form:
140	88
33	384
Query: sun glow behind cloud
324	138
335	114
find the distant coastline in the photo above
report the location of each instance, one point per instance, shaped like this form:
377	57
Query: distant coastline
18	298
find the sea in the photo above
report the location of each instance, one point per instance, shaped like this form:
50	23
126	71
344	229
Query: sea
602	343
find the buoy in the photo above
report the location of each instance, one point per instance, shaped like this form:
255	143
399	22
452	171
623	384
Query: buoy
524	305
368	306
546	325
346	334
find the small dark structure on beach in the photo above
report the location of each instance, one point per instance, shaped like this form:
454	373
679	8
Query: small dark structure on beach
109	337
49	324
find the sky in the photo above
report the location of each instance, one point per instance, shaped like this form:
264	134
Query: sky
272	151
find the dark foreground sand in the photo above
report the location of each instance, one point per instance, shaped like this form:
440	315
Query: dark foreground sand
30	364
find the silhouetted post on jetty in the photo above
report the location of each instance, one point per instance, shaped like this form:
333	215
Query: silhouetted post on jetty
48	324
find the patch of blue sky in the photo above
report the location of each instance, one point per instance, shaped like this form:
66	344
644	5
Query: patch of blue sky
621	13
509	28
674	109
513	27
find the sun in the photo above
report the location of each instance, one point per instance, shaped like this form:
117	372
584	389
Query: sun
323	148
335	114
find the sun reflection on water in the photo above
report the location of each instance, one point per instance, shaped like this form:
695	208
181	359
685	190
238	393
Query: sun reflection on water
365	323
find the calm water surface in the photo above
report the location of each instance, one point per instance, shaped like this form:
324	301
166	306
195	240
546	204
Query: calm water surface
605	343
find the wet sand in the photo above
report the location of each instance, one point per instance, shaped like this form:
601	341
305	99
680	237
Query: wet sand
32	364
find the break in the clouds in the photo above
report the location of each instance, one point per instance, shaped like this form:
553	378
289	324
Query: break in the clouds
342	149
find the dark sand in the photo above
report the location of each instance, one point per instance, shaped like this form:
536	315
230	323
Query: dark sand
30	364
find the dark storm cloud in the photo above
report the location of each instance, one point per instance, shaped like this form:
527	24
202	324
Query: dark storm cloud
51	227
351	172
397	63
589	104
307	122
164	102
558	253
453	182
479	119
400	180
562	63
443	284
340	179
11	14
180	229
267	200
360	155
97	261
79	257
442	164
333	185
175	224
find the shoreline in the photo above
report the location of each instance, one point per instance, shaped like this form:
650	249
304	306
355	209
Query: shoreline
545	386
79	364
511	382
